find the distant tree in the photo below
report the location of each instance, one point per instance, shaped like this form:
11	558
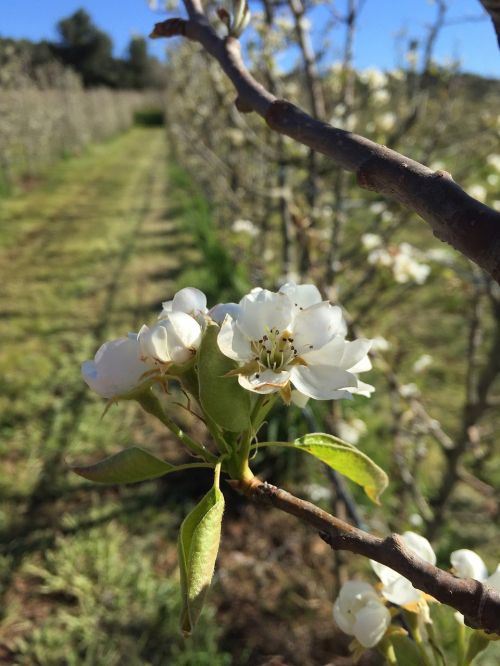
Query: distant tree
87	50
140	70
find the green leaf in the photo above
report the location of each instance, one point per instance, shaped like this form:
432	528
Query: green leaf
344	458
128	466
478	642
198	545
222	398
406	650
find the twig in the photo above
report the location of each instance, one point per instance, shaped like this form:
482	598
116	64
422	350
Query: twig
479	604
456	218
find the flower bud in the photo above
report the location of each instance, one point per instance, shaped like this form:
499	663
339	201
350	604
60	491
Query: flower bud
117	368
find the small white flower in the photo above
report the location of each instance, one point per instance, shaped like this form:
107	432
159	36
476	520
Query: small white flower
494	161
377	208
245	227
116	369
190	300
371	241
352	430
396	588
174	339
410	390
467	564
422	363
380	344
386	121
292	336
360	612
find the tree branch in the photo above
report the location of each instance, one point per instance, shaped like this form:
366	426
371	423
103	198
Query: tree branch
493	9
479	604
456	218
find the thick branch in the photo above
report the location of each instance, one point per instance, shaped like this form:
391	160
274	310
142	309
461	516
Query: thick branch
493	9
478	603
456	218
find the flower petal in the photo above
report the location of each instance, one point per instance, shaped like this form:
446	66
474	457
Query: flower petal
315	326
267	381
116	369
262	311
371	623
467	564
153	342
232	342
322	382
340	353
301	295
183	335
219	311
420	545
190	300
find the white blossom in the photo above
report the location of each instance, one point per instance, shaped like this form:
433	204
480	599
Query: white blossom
373	77
293	337
117	368
494	161
422	363
386	121
359	612
467	564
189	300
351	430
401	259
173	339
245	227
380	344
396	588
371	241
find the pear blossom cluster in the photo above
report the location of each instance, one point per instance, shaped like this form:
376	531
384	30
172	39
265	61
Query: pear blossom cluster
361	611
278	340
401	259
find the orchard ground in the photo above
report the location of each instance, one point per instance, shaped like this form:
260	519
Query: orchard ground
89	574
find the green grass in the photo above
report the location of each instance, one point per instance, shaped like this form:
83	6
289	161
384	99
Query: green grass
87	255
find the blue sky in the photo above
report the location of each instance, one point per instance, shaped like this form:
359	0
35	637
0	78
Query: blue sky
380	22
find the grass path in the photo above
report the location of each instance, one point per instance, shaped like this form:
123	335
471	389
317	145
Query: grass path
88	255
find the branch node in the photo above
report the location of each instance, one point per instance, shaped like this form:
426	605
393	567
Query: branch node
242	106
443	174
278	112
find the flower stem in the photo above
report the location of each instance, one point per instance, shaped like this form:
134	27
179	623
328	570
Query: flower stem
150	403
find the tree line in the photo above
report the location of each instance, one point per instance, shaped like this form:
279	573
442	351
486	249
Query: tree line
86	49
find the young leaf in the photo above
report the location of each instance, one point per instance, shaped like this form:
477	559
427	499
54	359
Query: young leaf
198	545
127	466
347	460
342	457
221	397
406	650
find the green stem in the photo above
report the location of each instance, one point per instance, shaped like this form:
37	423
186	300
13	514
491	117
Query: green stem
417	637
386	648
261	409
150	403
461	645
217	474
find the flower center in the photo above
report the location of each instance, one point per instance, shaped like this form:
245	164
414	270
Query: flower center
274	350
